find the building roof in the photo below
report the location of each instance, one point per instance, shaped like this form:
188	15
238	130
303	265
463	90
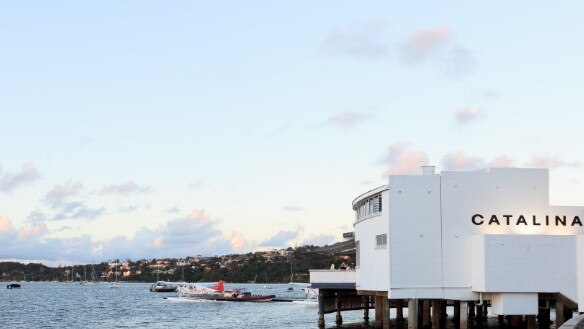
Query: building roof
340	248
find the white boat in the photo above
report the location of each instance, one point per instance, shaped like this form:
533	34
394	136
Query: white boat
311	297
197	291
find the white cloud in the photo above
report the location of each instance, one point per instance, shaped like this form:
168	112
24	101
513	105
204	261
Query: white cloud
358	41
423	43
126	188
10	181
459	62
550	161
501	161
349	118
466	115
400	161
281	239
460	161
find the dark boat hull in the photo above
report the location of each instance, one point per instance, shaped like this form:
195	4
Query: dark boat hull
253	298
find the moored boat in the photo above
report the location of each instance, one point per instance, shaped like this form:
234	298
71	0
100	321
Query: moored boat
162	286
13	286
244	296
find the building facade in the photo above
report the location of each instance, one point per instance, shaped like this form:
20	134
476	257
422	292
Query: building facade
469	236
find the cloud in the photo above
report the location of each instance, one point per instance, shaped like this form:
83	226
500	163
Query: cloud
172	210
501	161
196	184
458	62
192	234
37	217
77	210
400	161
129	209
549	161
125	189
292	208
281	239
466	115
359	41
318	240
460	161
349	118
422	43
11	181
60	193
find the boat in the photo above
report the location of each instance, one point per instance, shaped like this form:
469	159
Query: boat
115	284
162	286
13	286
197	291
311	297
244	296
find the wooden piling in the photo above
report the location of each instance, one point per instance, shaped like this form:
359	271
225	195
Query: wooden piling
426	318
366	300
437	314
560	319
386	308
320	309
378	311
399	318
339	317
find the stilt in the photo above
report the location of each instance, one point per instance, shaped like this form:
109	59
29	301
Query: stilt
399	313
463	319
436	314
386	308
366	310
471	310
456	315
530	321
485	309
501	320
339	317
321	309
516	321
479	311
560	319
413	314
426	319
543	313
378	311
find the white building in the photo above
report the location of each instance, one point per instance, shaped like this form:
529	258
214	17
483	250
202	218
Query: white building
470	236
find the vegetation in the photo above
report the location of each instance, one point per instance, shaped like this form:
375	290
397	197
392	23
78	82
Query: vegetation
263	267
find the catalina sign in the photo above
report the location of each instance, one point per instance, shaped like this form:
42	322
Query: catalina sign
478	219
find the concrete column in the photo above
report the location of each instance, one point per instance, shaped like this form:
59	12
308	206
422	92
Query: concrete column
426	319
366	301
436	314
413	314
378	311
530	321
399	318
386	308
463	316
321	309
339	317
560	319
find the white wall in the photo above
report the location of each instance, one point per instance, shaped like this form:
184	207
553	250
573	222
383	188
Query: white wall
525	263
373	271
415	236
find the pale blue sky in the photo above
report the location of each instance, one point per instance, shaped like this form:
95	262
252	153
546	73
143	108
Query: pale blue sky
151	129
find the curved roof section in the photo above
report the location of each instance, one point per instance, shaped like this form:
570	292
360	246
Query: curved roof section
368	194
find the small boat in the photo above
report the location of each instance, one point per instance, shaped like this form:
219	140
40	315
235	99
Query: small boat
244	296
196	291
162	286
13	286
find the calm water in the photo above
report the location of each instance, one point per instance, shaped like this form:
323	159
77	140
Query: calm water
59	305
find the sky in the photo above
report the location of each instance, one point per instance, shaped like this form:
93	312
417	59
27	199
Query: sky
149	129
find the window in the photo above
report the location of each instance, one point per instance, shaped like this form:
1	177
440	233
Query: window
357	254
369	206
381	240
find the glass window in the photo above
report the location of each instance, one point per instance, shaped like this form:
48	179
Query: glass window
381	240
357	254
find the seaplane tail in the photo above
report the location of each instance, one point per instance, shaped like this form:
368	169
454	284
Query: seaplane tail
219	286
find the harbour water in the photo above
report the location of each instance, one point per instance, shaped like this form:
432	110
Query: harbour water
132	305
